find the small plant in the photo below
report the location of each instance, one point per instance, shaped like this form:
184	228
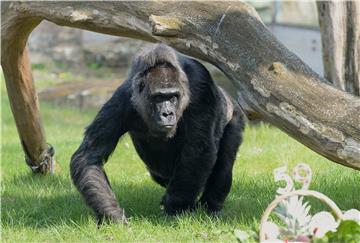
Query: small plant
94	65
38	66
295	215
347	231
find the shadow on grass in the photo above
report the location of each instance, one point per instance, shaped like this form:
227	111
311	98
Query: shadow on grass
46	201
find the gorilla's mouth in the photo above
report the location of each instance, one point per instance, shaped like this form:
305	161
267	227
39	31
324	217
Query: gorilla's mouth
163	131
168	127
165	127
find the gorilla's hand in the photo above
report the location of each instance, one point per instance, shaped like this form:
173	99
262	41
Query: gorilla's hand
173	205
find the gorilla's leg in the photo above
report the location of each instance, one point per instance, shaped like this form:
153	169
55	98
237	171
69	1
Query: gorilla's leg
219	183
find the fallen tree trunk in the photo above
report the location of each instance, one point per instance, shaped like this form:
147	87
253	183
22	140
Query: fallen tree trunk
340	36
230	35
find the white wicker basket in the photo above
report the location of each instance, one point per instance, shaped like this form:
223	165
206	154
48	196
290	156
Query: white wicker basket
285	196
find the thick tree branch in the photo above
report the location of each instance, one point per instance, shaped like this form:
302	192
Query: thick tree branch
230	35
21	90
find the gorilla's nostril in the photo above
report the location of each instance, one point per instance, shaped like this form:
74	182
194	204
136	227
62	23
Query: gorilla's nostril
166	114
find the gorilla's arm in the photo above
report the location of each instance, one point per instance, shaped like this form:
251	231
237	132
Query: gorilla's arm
100	140
194	166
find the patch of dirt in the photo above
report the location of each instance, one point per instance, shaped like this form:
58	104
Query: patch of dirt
81	94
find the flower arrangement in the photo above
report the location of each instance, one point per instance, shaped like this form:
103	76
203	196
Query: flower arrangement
299	224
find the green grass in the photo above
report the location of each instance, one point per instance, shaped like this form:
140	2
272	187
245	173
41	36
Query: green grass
48	208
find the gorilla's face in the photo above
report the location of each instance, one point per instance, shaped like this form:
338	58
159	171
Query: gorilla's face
164	97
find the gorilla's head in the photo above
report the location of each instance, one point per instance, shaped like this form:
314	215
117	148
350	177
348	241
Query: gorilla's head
160	89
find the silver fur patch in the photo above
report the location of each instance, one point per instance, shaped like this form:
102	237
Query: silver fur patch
229	105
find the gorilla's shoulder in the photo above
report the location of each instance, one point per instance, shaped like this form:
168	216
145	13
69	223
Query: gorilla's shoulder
125	87
202	86
123	92
194	69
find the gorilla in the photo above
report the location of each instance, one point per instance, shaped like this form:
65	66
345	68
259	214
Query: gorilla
186	129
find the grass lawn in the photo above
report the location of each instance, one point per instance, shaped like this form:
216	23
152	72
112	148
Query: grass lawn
48	208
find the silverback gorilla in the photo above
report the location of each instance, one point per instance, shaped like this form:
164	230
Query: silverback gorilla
185	128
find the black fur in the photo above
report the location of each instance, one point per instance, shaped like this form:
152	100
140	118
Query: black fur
194	157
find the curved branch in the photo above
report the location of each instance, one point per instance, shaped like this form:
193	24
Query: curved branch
230	35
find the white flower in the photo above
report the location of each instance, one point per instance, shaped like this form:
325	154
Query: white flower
321	223
271	230
352	214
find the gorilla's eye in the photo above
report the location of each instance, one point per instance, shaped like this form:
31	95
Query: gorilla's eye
141	86
158	98
174	99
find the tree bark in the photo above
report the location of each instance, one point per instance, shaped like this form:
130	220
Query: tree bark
230	35
21	90
340	34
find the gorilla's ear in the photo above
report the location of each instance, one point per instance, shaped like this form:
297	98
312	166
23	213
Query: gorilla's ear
141	86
